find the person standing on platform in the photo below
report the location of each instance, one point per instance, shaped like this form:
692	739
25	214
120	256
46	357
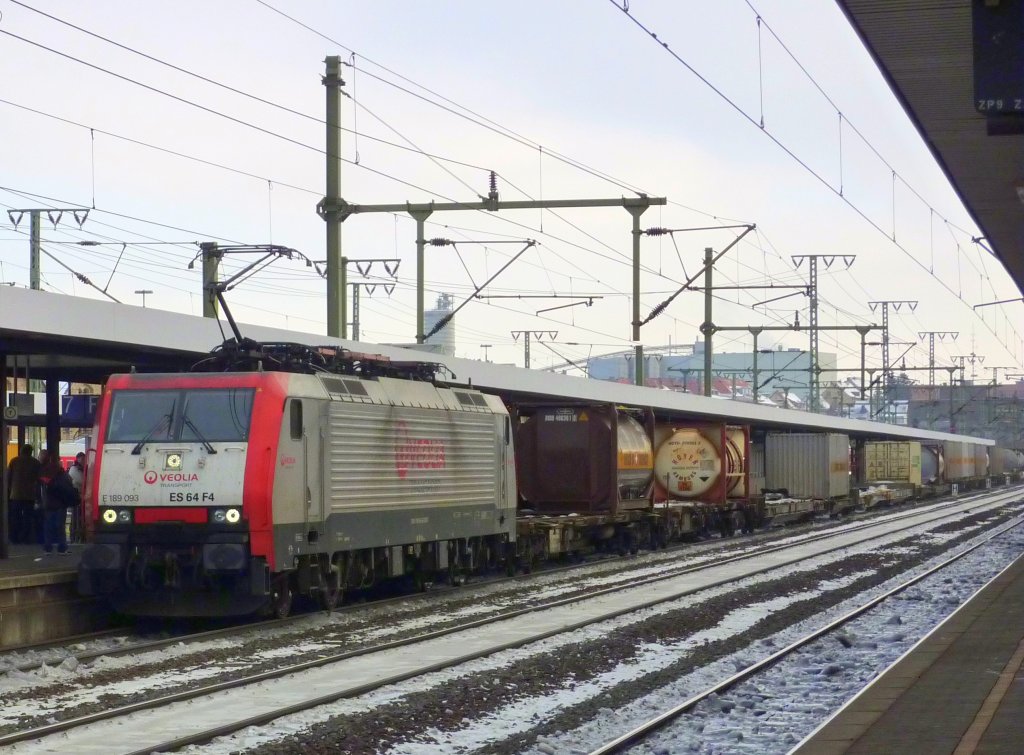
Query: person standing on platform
22	494
77	474
54	507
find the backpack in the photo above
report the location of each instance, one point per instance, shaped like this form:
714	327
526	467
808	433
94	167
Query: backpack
61	493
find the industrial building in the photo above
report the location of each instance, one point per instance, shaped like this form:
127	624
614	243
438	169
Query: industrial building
780	371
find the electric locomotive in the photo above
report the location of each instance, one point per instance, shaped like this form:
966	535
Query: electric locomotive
287	470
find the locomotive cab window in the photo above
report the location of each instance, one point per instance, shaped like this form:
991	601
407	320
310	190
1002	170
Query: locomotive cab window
135	415
296	419
190	415
216	415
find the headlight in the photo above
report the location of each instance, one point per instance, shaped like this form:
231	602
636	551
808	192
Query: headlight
225	516
116	516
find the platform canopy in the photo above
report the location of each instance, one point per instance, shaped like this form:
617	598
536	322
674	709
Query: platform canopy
926	51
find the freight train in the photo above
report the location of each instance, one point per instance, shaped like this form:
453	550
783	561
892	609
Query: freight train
276	470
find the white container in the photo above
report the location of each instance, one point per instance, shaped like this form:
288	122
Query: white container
959	457
808	465
981	460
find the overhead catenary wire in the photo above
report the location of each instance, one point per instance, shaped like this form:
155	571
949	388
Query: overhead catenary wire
802	163
601	242
210	110
492	125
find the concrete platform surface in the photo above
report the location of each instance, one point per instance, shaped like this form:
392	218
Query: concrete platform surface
24	560
960	690
39	599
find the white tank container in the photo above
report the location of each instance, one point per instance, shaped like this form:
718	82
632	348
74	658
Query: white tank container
808	465
687	465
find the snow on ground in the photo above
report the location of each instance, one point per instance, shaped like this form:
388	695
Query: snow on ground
526	713
774	711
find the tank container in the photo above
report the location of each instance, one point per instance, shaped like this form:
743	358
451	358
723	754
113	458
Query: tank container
701	462
808	465
736	439
583	459
959	460
687	464
892	461
757	478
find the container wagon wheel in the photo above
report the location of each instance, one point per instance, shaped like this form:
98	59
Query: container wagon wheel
281	597
331	589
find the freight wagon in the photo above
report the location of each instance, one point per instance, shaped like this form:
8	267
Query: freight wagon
601	477
805	474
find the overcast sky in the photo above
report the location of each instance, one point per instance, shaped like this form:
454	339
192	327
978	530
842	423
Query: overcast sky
566	99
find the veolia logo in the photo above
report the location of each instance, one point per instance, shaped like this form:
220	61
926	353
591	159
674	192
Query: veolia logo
149	477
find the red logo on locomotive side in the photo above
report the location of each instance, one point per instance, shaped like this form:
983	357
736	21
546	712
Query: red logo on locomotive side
150	477
416	453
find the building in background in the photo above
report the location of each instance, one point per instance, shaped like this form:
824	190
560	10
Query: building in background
780	372
443	341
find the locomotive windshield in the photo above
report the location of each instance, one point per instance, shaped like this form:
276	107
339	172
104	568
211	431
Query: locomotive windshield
193	415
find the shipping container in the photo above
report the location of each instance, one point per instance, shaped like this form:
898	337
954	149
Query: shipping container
999	461
584	459
892	461
808	465
959	460
981	460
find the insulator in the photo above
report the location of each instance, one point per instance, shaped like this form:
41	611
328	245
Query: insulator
657	231
494	182
439	242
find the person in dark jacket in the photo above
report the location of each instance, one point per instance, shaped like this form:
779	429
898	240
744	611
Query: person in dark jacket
22	491
54	509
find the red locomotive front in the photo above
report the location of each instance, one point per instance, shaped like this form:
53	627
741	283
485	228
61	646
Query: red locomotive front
180	489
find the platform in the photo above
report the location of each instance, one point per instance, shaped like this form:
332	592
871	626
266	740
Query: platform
960	690
39	599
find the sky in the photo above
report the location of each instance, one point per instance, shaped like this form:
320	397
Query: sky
733	120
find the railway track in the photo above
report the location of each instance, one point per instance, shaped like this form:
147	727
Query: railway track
162	723
662	721
49	653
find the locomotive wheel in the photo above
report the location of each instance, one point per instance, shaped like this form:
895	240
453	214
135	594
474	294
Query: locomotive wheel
331	589
422	581
281	599
456	576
